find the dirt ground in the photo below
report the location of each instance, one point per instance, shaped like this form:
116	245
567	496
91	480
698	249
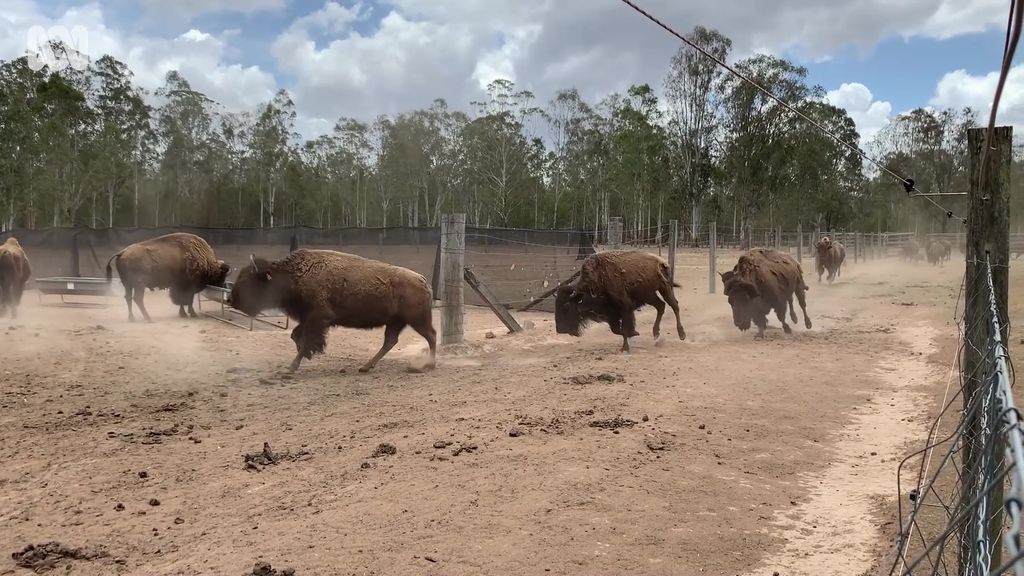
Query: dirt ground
534	453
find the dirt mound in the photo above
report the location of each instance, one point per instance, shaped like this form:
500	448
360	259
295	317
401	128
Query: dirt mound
267	457
384	449
265	569
585	379
43	557
613	423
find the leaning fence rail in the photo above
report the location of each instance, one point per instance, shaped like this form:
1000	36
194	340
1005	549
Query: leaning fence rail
966	511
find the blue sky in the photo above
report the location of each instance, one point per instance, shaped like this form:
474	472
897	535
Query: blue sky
351	58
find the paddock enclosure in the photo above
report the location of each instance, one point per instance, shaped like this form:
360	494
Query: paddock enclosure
526	453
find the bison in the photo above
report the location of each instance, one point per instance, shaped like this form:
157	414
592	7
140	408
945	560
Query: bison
947	249
611	287
911	250
830	255
324	288
761	281
936	253
14	273
183	262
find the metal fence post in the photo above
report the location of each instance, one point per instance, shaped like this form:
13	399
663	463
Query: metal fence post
712	249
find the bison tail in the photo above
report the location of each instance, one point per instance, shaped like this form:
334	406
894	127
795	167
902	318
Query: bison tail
110	272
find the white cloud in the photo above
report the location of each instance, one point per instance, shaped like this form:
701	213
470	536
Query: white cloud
199	56
869	114
186	10
958	89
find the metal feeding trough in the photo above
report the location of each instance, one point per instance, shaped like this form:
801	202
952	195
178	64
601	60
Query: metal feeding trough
229	315
74	286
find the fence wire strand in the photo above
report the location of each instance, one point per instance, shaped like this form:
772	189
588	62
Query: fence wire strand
966	513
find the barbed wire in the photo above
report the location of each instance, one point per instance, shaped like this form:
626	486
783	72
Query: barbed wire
908	183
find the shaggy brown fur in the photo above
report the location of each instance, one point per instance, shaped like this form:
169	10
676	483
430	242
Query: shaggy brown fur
761	281
911	250
182	262
324	288
15	270
936	253
612	286
830	256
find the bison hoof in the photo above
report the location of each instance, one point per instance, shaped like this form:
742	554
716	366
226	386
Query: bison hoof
682	335
808	323
787	329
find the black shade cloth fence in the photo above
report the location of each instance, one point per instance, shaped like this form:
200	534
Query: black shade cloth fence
517	264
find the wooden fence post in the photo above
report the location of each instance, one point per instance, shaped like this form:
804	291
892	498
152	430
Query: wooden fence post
712	249
615	232
799	242
673	239
988	240
453	254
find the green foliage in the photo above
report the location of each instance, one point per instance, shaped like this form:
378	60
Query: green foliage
88	148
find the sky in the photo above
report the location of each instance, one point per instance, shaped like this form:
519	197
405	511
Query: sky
361	58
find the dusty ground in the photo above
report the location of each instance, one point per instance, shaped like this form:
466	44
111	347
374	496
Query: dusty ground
528	454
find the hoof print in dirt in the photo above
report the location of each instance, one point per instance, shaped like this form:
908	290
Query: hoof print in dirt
516	432
384	449
465	447
267	457
265	569
43	557
154	502
613	423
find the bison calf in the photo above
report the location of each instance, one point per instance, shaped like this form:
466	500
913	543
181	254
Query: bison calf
761	281
14	273
183	262
324	288
611	287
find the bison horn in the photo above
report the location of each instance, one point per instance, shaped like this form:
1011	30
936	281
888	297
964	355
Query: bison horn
252	259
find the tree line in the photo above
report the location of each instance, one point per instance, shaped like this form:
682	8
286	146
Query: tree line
90	147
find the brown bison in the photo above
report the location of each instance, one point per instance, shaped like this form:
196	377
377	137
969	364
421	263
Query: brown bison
947	249
761	281
611	287
936	253
829	255
14	273
183	262
324	288
911	250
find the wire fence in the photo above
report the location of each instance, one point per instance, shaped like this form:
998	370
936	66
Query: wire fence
963	513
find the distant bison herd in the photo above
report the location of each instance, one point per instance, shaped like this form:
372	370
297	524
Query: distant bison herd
324	288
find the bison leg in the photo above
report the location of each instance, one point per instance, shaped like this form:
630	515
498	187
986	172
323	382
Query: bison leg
192	311
792	309
139	296
659	307
628	327
670	298
425	328
181	312
762	323
128	300
781	314
391	332
310	337
801	297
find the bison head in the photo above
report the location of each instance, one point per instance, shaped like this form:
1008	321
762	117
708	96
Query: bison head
574	309
252	291
220	276
743	296
568	317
